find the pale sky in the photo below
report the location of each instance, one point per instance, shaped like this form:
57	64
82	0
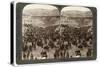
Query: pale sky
40	10
39	6
71	8
36	10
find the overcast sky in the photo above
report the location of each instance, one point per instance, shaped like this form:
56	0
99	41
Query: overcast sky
49	10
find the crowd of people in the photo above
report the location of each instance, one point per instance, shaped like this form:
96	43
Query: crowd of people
57	42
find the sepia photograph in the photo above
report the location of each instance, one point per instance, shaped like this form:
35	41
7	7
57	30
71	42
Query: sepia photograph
52	33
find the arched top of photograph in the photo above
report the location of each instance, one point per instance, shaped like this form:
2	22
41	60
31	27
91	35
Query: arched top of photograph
40	10
76	11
